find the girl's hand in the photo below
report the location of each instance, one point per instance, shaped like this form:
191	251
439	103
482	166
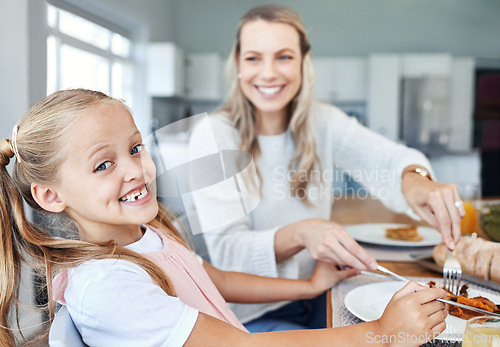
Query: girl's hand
329	242
434	202
414	314
327	275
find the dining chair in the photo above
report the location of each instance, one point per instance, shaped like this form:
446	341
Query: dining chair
63	332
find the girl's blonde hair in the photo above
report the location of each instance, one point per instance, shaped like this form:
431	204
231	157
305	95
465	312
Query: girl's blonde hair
39	144
242	112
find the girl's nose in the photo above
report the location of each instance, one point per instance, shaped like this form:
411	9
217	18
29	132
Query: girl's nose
133	169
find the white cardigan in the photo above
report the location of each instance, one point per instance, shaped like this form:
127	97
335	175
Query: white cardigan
247	245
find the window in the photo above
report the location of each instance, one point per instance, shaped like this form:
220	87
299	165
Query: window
84	54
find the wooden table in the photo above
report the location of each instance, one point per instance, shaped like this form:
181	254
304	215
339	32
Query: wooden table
354	211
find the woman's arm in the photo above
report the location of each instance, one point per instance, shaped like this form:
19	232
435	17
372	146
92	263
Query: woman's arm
245	288
383	167
434	202
326	241
412	317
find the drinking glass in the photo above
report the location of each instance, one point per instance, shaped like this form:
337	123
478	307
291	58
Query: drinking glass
483	331
469	192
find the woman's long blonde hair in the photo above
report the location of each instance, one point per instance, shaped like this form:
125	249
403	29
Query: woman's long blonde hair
39	147
242	112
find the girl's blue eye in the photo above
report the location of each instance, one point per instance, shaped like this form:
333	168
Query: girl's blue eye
285	57
103	166
136	149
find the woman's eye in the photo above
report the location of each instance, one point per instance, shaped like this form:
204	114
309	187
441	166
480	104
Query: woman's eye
103	166
251	59
136	149
284	57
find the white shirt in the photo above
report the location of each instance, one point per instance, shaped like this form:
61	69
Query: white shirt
107	300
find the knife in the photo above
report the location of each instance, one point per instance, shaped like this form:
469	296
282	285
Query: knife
467	307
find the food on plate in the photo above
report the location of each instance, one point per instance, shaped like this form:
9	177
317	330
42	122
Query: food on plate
463	298
477	256
405	233
490	222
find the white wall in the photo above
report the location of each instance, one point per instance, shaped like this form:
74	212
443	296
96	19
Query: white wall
14	102
13	63
355	27
158	14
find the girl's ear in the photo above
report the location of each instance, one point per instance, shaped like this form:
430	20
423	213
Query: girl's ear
47	198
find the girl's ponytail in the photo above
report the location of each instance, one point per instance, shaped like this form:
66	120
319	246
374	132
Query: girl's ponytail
10	254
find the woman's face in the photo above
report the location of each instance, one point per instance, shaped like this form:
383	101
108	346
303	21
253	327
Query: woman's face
270	66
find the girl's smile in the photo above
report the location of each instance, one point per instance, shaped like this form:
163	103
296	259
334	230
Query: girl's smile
138	196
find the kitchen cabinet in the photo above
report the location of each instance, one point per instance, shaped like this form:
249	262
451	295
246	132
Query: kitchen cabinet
384	72
385	75
464	168
166	70
340	79
204	77
462	95
426	65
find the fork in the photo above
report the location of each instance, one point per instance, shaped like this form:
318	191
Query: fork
449	302
452	274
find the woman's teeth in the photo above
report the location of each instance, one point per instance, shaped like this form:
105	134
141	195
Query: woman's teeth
135	196
269	90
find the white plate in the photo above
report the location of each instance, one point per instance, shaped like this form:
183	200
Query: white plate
368	303
374	233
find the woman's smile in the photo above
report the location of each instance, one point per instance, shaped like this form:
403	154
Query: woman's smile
270	92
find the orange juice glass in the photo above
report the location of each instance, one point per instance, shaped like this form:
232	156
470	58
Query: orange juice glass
470	223
469	192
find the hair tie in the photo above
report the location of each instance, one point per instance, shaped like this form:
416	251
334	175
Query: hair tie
14	143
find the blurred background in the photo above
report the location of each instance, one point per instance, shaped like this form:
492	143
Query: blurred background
422	72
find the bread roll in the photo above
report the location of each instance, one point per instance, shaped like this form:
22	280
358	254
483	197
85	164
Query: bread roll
461	253
471	253
495	267
440	253
483	260
476	256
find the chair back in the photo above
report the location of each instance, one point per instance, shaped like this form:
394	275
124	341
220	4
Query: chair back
63	332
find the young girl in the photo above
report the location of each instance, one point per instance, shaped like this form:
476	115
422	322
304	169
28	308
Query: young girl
131	279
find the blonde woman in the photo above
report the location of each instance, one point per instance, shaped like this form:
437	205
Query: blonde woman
296	143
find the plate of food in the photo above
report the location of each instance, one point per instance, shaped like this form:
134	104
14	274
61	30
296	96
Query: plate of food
368	303
390	234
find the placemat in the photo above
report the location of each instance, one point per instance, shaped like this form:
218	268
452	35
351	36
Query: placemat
342	317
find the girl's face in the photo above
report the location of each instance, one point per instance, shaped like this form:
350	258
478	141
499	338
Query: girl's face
107	179
270	66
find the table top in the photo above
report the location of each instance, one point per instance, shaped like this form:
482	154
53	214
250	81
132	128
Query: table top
349	210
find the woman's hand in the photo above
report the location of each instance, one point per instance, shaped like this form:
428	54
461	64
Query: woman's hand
414	314
434	202
327	241
327	275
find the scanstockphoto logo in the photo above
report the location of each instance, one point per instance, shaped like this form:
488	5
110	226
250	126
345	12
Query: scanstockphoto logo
210	185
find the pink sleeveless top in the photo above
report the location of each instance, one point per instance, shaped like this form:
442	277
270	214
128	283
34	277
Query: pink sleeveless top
192	284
